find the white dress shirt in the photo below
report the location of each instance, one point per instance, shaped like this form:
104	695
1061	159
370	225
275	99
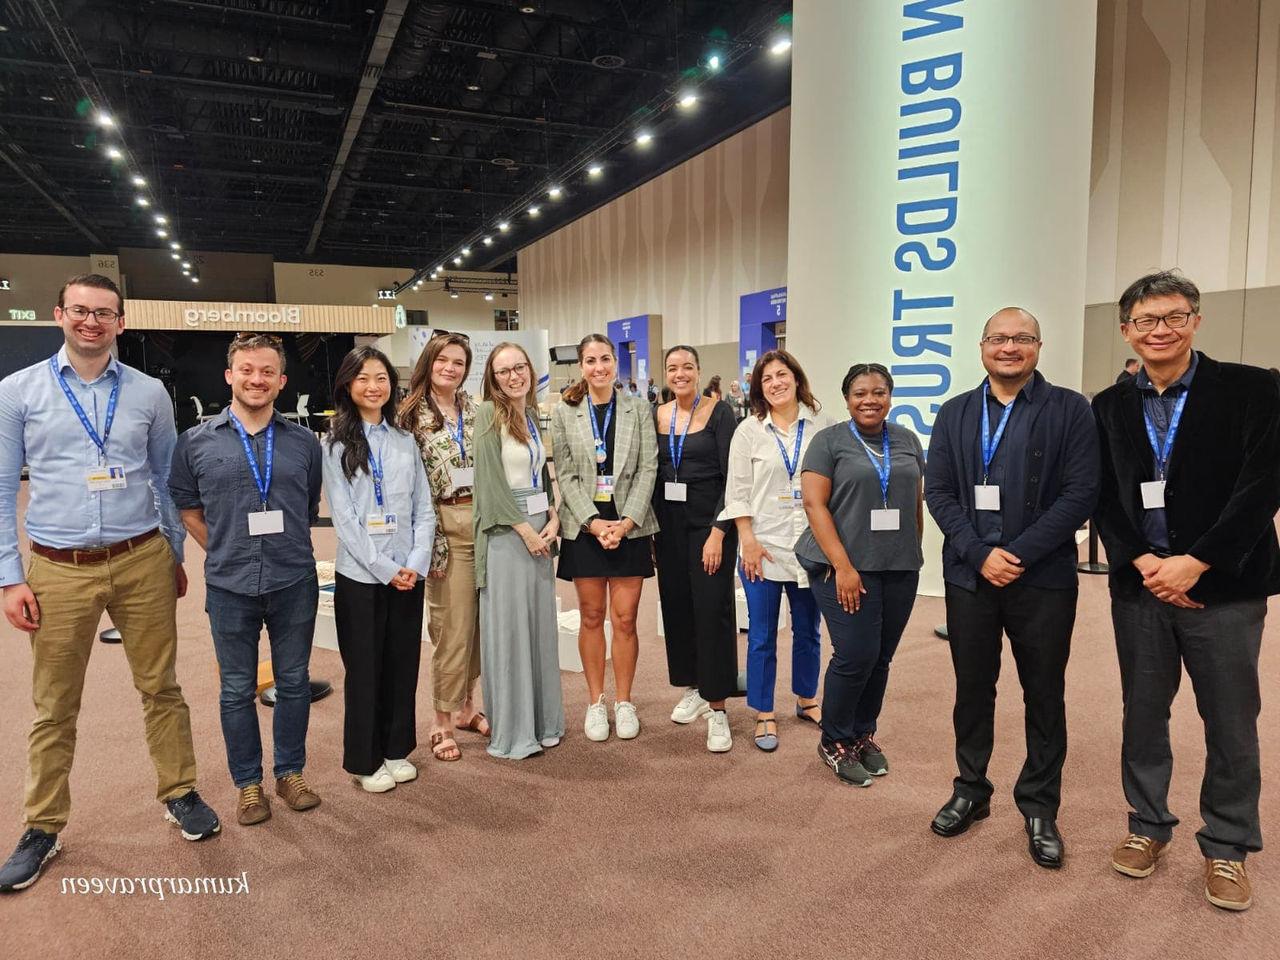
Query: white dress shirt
759	487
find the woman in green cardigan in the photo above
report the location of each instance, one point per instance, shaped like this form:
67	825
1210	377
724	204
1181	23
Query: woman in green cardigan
516	526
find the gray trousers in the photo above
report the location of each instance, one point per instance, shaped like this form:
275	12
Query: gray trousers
1219	646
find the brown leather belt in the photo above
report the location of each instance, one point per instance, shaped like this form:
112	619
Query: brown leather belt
87	555
454	501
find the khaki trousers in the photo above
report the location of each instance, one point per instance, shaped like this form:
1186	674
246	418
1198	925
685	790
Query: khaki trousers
455	613
137	588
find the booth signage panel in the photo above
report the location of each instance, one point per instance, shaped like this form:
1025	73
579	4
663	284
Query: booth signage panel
633	331
759	315
257	317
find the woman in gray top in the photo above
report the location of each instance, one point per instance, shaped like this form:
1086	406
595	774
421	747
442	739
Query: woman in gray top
861	484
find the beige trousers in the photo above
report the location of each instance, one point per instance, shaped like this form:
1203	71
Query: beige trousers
138	591
454	612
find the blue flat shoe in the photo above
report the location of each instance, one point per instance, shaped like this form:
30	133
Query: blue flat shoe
768	742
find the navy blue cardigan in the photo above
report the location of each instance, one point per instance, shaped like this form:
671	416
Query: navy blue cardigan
1062	480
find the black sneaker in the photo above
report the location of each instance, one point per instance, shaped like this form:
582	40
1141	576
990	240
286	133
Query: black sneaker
193	815
846	764
873	757
35	849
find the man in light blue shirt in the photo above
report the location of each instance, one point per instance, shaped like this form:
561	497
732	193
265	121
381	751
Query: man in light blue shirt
97	438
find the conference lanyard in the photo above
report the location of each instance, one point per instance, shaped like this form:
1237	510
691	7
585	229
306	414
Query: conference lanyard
459	437
791	464
375	473
677	450
602	451
1162	455
535	450
98	441
990	443
263	484
882	468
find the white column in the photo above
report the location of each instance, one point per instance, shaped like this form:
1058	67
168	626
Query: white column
939	171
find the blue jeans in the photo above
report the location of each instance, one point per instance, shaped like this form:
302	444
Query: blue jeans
236	621
764	601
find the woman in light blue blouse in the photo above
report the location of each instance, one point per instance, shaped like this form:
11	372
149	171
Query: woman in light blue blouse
382	513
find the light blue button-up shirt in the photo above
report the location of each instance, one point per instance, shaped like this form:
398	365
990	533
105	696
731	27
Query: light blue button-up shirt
38	427
405	492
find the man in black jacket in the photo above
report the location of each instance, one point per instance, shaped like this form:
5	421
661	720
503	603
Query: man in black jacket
1012	474
1190	490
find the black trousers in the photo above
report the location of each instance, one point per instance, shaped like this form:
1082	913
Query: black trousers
1039	622
380	639
1219	646
698	615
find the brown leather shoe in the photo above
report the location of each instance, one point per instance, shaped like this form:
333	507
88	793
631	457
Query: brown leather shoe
294	791
1226	885
1137	856
254	806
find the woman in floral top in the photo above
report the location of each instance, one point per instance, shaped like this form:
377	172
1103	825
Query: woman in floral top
442	418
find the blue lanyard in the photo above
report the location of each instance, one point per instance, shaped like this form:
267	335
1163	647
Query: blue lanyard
882	469
1162	456
375	472
535	450
677	451
791	464
264	486
98	441
602	451
990	443
458	437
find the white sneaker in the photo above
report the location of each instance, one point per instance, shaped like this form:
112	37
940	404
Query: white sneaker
596	726
380	781
550	742
402	771
690	707
625	719
719	739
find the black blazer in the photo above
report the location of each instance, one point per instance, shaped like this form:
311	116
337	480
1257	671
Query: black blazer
1222	487
1060	468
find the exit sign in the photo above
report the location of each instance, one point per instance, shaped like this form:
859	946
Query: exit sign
22	314
386	294
4	285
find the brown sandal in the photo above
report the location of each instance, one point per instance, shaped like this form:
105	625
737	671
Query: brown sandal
442	744
474	724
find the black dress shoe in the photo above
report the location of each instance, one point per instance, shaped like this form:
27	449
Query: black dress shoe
1044	842
958	815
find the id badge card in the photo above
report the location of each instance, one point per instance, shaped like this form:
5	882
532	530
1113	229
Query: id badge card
107	477
380	523
460	477
604	489
1153	495
537	503
790	500
263	522
986	496
884	519
676	492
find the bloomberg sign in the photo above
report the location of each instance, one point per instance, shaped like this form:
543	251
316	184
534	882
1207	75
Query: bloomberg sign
194	317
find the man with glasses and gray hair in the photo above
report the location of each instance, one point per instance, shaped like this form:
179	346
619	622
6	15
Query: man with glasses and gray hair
1190	490
1012	474
96	437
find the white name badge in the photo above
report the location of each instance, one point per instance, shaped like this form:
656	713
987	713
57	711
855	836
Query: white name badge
460	477
986	496
537	503
262	522
791	501
676	492
884	519
604	489
380	523
1153	495
109	477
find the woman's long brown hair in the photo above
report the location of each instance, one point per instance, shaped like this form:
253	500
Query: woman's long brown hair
505	411
573	396
420	382
759	405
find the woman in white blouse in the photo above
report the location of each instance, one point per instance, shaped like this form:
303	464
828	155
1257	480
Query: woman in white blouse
763	499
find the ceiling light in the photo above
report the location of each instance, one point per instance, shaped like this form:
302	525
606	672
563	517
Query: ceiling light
195	279
504	226
488	296
433	274
595	170
644	138
175	246
104	120
453	294
255	58
46	98
554	193
688	100
440	269
255	160
466	251
186	264
142	201
457	261
488	241
528	8
186	271
162	233
435	139
176	256
473	87
161	219
114	153
534	211
713	62
256	118
780	46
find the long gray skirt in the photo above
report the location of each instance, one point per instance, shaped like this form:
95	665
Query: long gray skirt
519	648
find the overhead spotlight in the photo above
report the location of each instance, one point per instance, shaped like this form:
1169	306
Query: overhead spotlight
142	201
195	279
255	57
186	271
457	261
433	274
440	269
114	153
46	98
257	117
175	246
487	241
161	219
554	193
186	264
644	138
435	139
713	62
473	87
176	256
104	120
595	170
534	211
688	100
780	46
489	297
504	226
453	294
466	251
528	8
162	233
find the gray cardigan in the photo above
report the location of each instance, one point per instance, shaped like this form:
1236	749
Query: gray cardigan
635	464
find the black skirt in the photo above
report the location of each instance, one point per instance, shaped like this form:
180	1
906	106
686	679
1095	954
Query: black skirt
584	557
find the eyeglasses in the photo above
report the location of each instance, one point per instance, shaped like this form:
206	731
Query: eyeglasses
81	313
247	336
1000	339
435	334
1174	321
519	370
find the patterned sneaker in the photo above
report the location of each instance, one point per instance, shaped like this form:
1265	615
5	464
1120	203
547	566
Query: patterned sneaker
1226	885
1137	855
872	756
293	790
35	849
844	763
196	820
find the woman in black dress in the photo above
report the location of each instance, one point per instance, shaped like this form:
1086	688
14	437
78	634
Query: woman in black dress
696	553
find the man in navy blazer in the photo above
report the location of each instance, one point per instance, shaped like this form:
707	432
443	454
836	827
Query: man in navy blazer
1012	474
1190	490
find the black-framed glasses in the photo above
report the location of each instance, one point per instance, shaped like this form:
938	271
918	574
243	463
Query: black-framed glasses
449	333
1174	321
82	313
1000	339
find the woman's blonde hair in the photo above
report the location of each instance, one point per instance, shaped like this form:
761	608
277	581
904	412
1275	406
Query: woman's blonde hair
509	413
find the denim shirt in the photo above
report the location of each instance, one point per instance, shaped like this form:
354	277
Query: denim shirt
211	472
